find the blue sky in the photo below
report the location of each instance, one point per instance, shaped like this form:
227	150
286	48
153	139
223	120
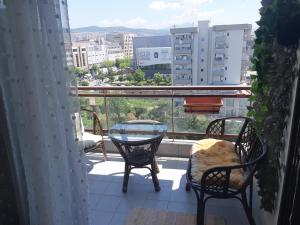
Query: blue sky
161	13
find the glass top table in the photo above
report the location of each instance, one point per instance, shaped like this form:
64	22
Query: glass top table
137	142
137	131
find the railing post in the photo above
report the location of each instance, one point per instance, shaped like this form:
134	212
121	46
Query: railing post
106	111
173	116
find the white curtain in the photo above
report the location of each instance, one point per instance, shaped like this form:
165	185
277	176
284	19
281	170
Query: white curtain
35	80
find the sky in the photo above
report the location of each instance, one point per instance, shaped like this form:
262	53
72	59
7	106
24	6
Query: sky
157	14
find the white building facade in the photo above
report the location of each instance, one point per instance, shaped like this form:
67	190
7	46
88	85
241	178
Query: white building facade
125	40
207	55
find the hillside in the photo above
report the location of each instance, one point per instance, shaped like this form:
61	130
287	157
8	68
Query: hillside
139	31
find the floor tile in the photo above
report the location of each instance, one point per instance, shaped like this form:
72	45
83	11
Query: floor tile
100	218
119	219
108	203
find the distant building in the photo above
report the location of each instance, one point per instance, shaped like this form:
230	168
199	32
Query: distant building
125	40
113	51
152	54
96	54
80	58
206	55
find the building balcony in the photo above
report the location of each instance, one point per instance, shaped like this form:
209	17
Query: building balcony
182	61
183	71
183	51
183	41
107	202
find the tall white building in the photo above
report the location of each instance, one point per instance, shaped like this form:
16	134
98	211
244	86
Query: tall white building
206	55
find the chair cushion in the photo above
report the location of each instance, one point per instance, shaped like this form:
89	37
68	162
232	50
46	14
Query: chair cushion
209	153
90	140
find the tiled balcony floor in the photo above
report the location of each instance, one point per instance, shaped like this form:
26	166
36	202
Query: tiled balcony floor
109	206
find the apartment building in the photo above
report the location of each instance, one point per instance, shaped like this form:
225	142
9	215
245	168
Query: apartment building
125	40
96	54
205	55
80	58
113	51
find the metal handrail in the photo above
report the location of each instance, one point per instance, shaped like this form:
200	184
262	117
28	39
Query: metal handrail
235	91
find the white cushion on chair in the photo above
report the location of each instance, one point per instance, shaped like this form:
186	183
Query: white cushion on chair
90	140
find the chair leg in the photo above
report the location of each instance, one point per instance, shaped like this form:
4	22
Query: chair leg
126	178
200	210
247	209
187	187
154	176
104	151
156	166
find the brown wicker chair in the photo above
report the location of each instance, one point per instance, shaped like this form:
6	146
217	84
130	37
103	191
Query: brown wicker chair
93	139
216	181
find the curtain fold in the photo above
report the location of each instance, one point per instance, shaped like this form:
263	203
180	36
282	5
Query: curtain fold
36	81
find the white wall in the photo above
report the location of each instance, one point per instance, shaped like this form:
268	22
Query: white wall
234	53
203	42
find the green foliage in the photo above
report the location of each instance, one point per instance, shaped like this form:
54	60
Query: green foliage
80	72
95	69
83	83
107	64
158	78
274	59
139	75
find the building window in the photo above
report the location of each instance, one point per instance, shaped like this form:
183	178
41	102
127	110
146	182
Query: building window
77	60
202	60
74	50
83	60
202	49
201	79
227	33
202	70
225	67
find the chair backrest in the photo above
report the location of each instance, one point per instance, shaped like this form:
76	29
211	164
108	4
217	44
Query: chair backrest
248	145
97	125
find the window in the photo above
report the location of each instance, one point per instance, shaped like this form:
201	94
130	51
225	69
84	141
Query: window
83	60
201	79
227	33
202	60
74	50
77	60
202	70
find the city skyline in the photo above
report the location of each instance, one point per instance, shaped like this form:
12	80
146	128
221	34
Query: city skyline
160	14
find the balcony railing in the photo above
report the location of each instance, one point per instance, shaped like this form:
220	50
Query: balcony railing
163	103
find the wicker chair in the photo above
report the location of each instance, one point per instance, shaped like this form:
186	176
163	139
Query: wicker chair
93	140
215	181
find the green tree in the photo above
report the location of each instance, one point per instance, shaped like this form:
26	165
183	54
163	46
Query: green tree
158	78
117	63
95	69
107	64
121	78
139	75
80	72
129	77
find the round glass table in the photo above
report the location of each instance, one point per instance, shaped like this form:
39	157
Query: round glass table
137	142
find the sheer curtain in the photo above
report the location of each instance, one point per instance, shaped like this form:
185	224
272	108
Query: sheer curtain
35	80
